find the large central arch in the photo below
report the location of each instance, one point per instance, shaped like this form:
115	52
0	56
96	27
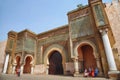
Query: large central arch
55	63
48	52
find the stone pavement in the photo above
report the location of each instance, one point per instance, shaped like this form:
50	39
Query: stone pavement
44	77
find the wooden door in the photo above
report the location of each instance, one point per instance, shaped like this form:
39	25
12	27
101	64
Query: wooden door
88	57
55	63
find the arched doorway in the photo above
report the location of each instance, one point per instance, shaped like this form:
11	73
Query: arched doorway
55	63
18	62
86	57
27	66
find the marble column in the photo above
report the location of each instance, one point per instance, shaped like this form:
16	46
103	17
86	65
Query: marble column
32	69
6	63
76	66
47	69
21	68
13	69
108	51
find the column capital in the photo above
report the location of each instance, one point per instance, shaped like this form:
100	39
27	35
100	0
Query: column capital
103	31
75	59
32	65
93	1
22	64
14	64
98	59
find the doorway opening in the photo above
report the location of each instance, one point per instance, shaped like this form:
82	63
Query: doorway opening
27	66
55	63
18	63
86	57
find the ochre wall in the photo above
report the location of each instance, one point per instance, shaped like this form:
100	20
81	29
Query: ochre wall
113	13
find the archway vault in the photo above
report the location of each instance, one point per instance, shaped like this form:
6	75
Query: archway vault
17	55
55	47
86	42
55	63
32	58
27	64
94	51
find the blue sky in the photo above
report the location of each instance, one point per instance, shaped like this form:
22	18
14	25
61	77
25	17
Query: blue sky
35	15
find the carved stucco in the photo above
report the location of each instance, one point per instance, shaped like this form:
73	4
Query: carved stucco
29	45
25	44
81	27
19	46
10	43
52	39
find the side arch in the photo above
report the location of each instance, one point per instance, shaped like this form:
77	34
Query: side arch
17	55
17	62
86	42
95	53
28	62
32	62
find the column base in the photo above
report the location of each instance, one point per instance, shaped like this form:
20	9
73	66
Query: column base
101	74
76	74
115	75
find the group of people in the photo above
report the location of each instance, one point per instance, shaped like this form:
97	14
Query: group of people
91	72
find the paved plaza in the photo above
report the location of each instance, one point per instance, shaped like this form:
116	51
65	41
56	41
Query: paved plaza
44	77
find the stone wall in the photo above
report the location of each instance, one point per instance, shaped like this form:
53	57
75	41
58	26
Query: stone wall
113	13
56	36
2	54
39	69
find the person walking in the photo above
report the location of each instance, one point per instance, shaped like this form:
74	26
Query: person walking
18	72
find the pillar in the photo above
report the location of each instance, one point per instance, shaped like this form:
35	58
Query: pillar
76	73
21	68
13	69
108	51
99	66
32	69
6	63
47	69
113	73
